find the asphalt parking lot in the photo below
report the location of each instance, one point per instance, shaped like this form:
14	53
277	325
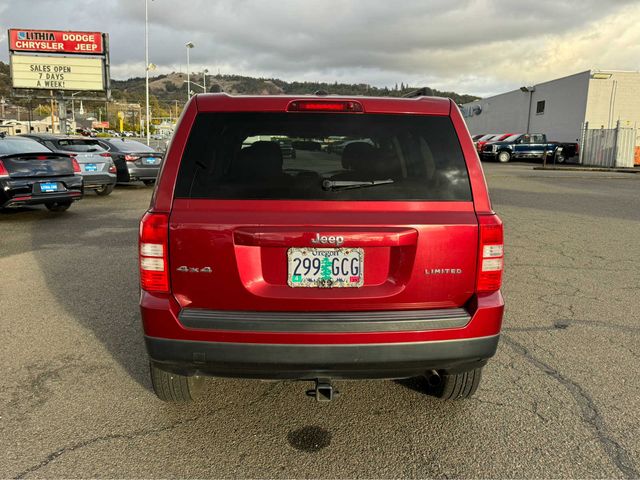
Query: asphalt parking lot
560	399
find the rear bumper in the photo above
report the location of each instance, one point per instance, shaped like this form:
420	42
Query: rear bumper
142	173
352	361
95	180
24	191
306	345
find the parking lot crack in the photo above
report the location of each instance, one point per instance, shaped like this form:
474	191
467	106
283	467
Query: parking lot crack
105	438
588	411
128	436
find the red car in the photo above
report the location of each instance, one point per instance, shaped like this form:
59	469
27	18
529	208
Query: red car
380	260
492	138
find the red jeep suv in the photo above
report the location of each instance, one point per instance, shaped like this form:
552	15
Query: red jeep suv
373	252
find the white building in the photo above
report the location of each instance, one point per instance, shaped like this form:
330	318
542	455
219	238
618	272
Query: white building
559	108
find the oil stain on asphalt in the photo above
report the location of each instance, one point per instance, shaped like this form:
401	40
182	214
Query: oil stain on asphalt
309	439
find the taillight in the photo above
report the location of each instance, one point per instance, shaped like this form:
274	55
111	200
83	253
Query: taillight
131	158
491	254
3	170
154	234
113	169
106	155
324	106
76	165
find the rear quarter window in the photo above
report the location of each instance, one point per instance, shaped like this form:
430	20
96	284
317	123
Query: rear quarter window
311	156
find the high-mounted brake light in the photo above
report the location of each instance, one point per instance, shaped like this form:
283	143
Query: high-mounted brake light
76	165
491	254
3	170
324	106
154	258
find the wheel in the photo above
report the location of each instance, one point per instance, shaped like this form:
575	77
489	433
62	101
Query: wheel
458	386
171	387
560	158
105	190
57	206
148	182
504	157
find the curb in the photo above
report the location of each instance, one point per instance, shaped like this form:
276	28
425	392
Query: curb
591	169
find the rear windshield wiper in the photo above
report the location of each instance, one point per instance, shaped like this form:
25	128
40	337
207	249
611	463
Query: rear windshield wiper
349	184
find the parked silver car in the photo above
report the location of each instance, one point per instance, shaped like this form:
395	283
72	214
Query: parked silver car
97	168
134	160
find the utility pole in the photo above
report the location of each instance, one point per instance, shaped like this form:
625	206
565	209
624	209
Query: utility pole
189	46
53	129
146	63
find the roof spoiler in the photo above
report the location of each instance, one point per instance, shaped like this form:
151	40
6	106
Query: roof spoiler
421	92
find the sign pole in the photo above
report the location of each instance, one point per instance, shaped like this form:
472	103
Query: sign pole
53	130
62	114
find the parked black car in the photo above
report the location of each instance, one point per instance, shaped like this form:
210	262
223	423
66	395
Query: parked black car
134	161
96	166
31	174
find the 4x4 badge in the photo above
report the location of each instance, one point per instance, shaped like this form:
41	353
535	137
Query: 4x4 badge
186	269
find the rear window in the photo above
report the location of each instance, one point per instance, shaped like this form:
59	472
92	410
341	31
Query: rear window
311	156
11	146
130	146
79	145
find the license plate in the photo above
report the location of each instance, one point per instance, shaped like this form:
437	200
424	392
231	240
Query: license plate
49	187
325	267
150	161
90	167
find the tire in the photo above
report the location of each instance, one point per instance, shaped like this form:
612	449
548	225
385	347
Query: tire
504	157
458	386
149	182
105	190
560	158
57	206
174	388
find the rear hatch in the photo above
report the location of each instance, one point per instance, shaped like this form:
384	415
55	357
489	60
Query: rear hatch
151	160
30	165
384	222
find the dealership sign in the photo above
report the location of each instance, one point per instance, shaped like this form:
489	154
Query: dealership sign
57	73
56	41
58	60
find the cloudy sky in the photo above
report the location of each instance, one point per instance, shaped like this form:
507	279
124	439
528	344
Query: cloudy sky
475	46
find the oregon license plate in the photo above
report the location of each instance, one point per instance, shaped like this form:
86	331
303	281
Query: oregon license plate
49	187
90	167
325	267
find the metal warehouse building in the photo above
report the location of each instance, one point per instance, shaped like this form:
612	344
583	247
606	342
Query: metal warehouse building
560	108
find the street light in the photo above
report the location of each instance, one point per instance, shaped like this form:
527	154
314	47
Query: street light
189	46
146	63
204	80
530	91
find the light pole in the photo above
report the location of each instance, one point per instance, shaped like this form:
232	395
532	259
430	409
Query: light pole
189	46
204	80
529	90
146	62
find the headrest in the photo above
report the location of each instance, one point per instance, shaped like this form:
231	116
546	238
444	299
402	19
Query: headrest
261	159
